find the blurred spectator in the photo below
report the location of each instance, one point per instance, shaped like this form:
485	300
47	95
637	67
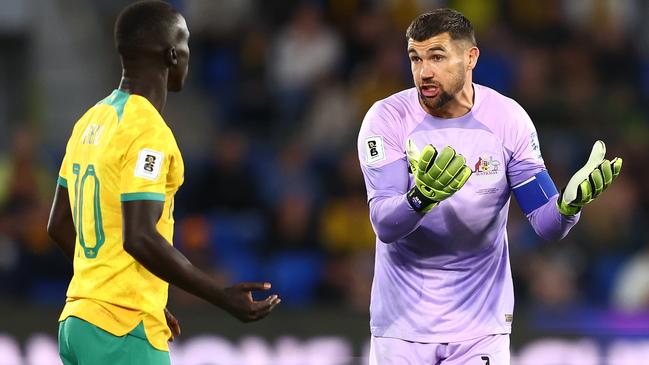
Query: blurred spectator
348	237
483	14
303	52
23	218
598	16
331	123
366	32
218	18
294	262
632	284
552	281
290	172
193	240
344	225
225	181
381	75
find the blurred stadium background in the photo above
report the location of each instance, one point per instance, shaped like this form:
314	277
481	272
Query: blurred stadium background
267	125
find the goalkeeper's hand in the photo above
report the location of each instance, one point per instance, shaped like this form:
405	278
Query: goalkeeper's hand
590	181
437	175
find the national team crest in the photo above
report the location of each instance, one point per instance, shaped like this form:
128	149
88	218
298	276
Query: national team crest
486	165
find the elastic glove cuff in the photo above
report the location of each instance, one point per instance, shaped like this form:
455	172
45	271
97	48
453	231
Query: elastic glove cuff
566	209
419	202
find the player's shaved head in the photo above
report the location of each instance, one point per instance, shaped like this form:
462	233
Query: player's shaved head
152	40
146	26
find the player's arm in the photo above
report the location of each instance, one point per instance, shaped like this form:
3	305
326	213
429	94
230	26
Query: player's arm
553	214
529	179
385	171
537	198
60	226
437	177
396	210
143	241
390	214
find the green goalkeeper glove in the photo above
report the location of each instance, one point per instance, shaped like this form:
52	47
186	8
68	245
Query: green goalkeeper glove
590	181
437	176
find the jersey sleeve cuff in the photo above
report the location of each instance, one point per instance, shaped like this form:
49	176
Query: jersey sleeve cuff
128	197
62	181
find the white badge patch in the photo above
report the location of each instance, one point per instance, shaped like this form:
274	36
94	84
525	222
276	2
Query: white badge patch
374	149
149	163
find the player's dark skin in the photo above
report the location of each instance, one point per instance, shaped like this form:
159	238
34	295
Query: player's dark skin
151	73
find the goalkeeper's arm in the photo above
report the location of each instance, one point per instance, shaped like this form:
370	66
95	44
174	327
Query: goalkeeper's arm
551	214
396	216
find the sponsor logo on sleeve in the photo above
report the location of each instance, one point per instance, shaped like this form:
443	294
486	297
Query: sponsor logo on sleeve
149	163
536	147
374	149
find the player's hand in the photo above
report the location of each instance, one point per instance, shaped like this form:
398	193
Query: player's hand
437	175
173	325
239	301
590	181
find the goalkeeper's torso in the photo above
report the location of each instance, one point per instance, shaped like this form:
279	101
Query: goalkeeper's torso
450	280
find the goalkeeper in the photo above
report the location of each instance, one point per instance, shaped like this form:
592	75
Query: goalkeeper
440	162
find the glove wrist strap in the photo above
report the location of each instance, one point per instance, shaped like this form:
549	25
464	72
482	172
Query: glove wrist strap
566	209
419	202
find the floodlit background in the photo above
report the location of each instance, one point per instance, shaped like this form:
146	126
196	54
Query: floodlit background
267	125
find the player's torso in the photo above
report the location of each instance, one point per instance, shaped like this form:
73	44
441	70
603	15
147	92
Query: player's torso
449	280
473	219
95	154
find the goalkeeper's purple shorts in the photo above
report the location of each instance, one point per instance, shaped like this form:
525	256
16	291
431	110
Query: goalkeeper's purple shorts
488	350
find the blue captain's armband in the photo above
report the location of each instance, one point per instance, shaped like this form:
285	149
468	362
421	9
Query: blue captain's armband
535	192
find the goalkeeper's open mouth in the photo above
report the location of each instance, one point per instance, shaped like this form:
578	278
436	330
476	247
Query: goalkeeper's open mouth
429	91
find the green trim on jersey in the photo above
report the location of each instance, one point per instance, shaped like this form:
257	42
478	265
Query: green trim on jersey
63	182
128	197
117	99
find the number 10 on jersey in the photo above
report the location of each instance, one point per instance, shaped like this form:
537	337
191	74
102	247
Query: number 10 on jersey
88	177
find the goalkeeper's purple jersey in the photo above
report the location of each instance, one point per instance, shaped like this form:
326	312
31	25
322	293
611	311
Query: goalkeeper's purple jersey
444	276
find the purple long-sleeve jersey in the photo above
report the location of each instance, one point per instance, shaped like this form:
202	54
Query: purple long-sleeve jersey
444	276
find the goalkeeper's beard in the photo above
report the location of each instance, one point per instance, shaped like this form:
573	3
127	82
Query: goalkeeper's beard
437	102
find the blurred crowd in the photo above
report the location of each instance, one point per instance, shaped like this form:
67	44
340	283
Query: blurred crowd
276	95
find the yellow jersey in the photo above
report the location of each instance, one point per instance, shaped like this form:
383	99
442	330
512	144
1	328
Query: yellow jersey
120	150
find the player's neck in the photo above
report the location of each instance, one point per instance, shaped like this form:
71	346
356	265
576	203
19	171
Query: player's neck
148	84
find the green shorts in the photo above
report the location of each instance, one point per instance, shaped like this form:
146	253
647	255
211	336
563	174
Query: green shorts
82	343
